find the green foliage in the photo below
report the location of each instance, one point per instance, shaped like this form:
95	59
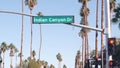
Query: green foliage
52	66
31	3
59	57
33	64
33	53
30	64
40	14
13	49
4	46
116	16
64	66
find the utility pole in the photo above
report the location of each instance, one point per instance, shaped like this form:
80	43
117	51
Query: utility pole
107	15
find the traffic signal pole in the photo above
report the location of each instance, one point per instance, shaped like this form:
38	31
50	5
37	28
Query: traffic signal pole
107	20
105	31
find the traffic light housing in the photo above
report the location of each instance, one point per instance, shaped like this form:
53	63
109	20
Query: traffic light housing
111	46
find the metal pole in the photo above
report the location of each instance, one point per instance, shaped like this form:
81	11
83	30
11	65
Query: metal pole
107	12
88	27
73	24
18	13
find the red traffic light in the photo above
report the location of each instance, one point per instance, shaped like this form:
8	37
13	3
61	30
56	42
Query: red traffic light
111	41
111	63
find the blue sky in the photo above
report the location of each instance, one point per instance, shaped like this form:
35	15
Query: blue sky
57	38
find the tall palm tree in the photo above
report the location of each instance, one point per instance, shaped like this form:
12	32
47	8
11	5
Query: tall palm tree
12	52
59	58
16	51
33	54
40	14
25	65
82	35
96	37
22	35
77	60
42	64
0	56
64	66
52	66
46	64
84	14
102	34
112	7
4	48
31	4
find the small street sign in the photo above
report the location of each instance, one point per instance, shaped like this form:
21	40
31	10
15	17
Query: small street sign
52	19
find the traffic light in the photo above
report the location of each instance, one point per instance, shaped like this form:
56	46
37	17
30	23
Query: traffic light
111	46
111	63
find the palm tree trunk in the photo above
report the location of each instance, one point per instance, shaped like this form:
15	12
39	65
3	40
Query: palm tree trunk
102	34
87	47
111	10
22	34
83	51
86	34
16	61
31	35
3	59
11	62
86	30
40	41
59	65
96	37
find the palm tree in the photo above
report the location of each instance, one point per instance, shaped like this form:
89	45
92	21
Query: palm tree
33	54
46	64
12	52
59	58
82	35
25	63
0	56
64	66
16	51
22	35
31	4
40	14
29	59
4	48
102	34
84	14
112	7
96	36
52	66
77	60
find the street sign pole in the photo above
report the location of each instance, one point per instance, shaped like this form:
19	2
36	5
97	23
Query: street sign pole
107	15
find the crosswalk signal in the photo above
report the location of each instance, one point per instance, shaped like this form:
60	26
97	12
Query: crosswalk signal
111	45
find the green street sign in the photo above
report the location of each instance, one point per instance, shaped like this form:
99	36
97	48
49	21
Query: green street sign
52	19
